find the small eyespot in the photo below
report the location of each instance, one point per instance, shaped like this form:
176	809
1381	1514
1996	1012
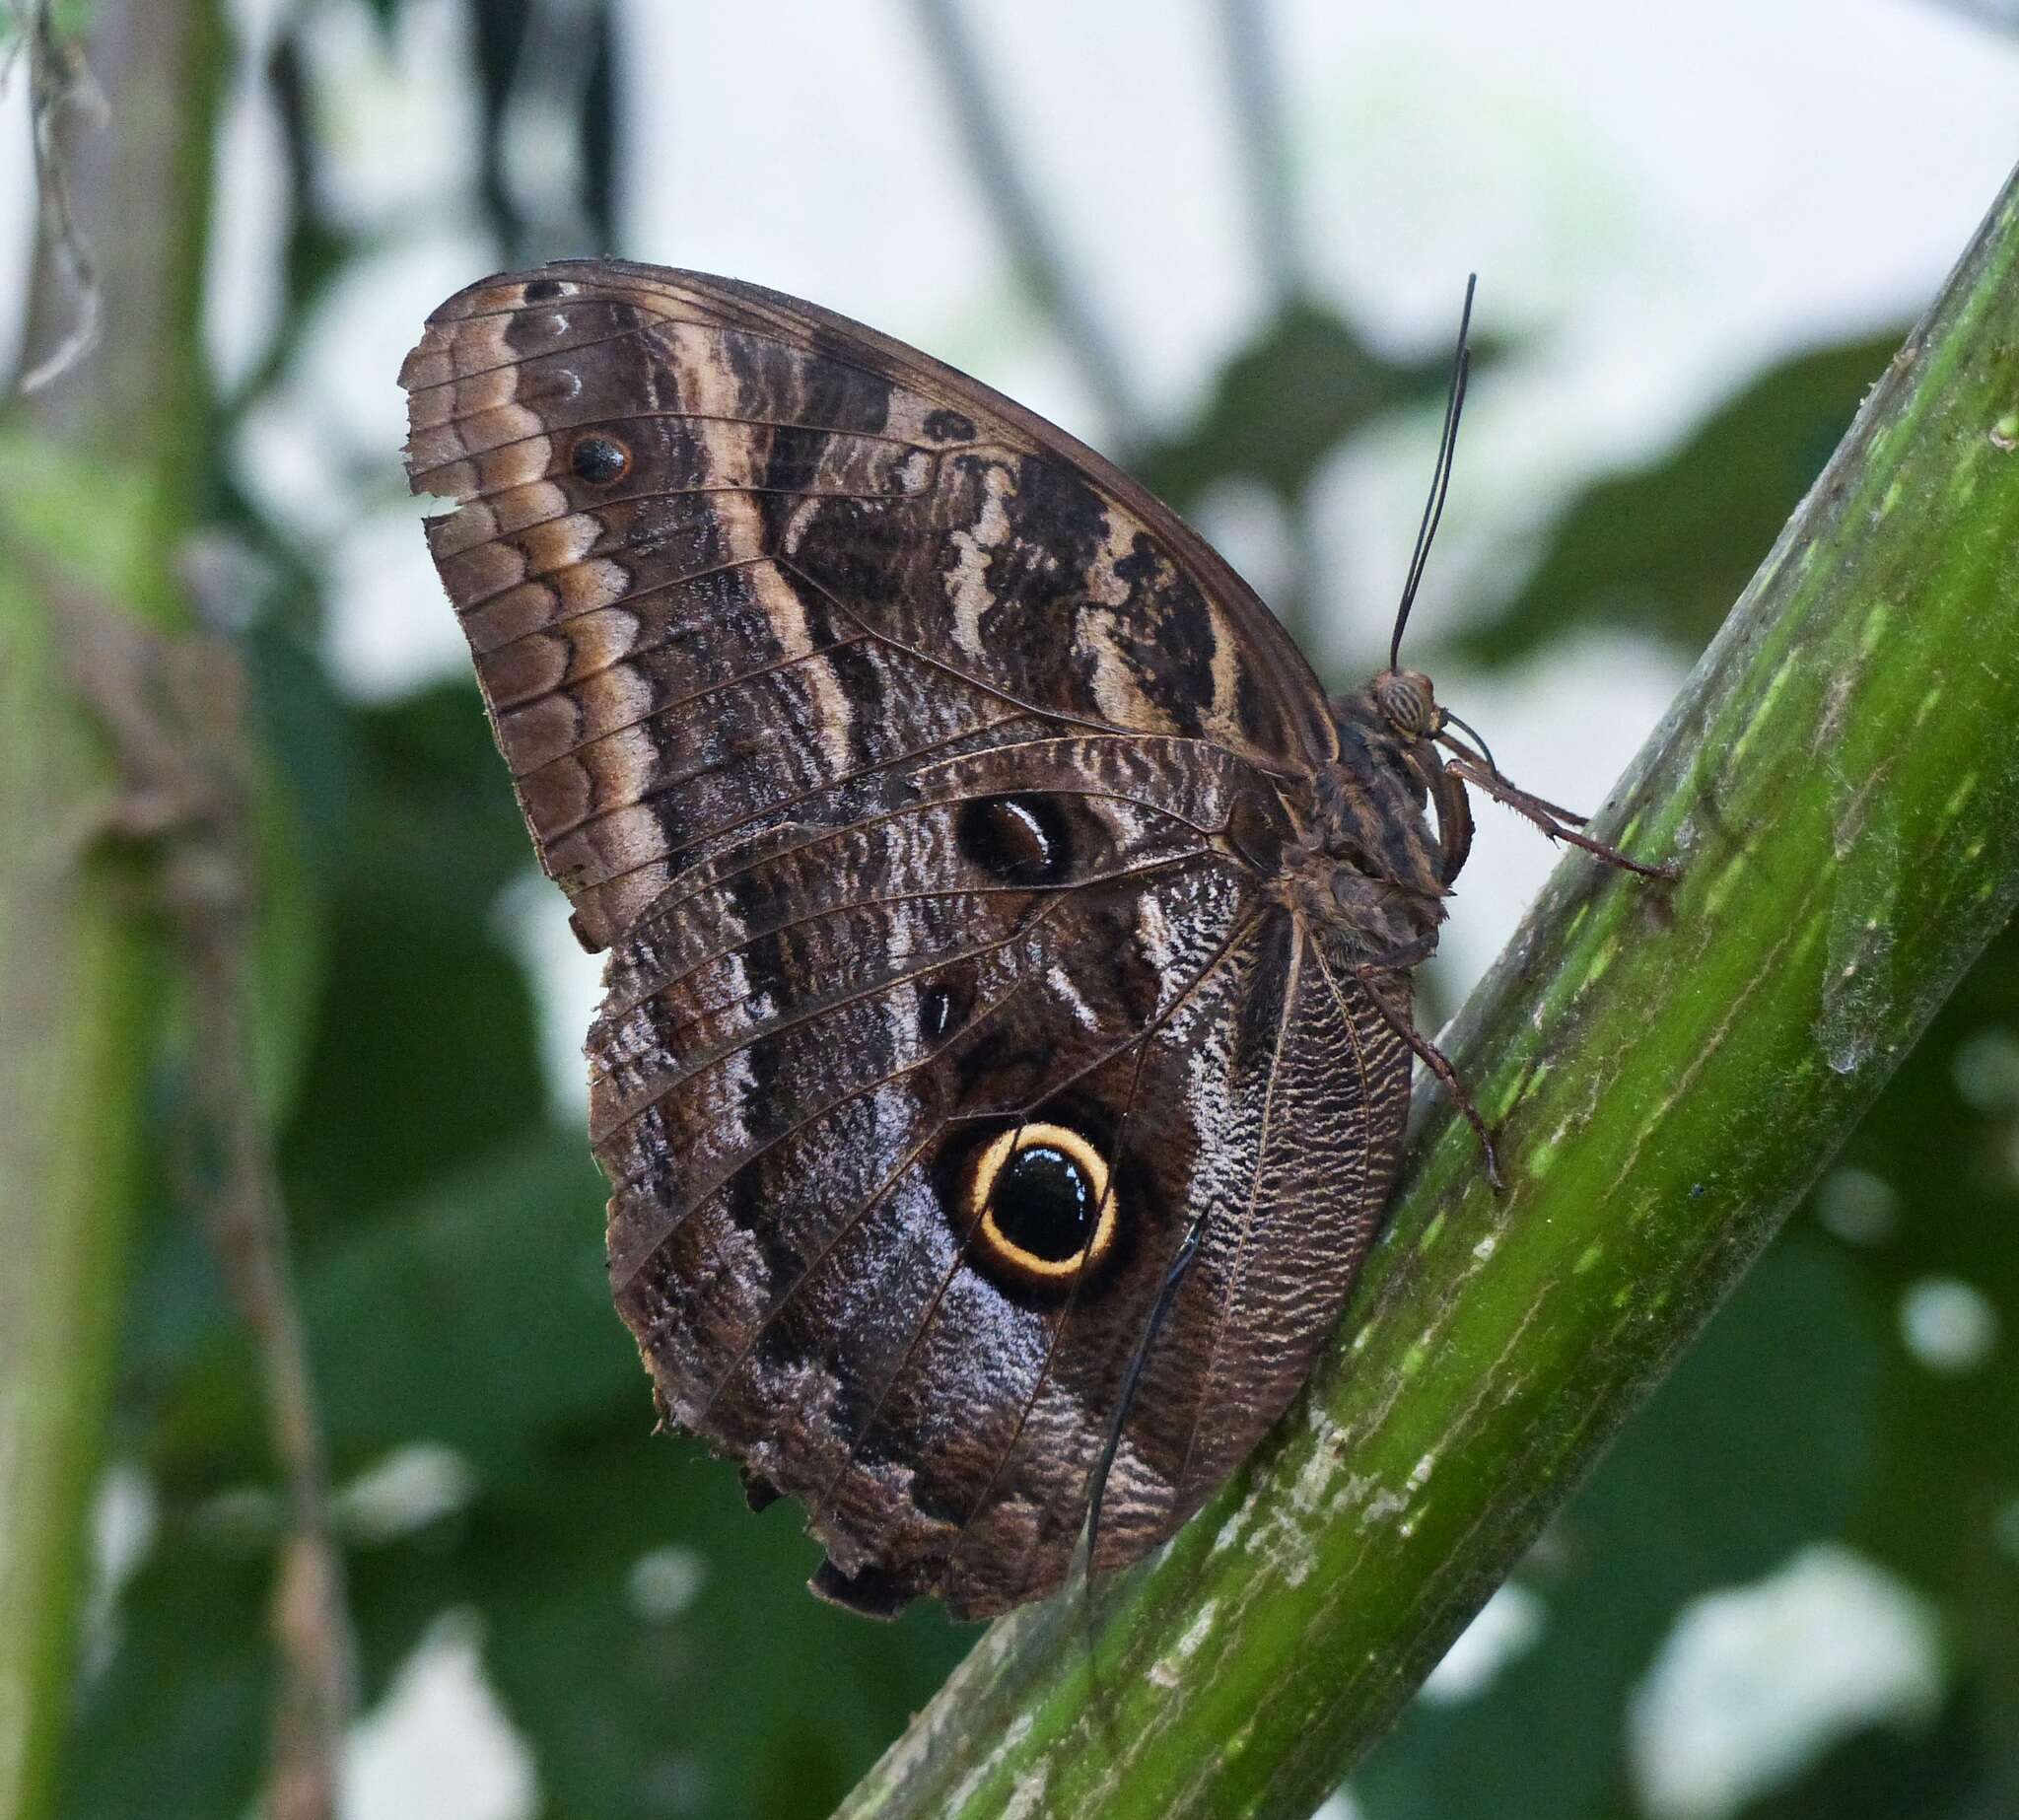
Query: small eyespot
1044	1198
936	1013
600	461
1020	840
945	426
541	290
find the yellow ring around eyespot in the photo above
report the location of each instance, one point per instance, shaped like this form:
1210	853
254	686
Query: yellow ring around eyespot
1042	1135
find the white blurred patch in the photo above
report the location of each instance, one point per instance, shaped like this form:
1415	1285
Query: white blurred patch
1755	1683
1859	1207
1949	1325
123	1523
328	435
319	455
439	1744
566	985
18	206
389	627
1246	524
1340	1805
243	279
1985	1070
1508	1625
396	111
409	1489
665	1582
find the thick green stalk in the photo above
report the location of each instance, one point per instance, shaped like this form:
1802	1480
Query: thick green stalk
89	530
74	980
1670	1069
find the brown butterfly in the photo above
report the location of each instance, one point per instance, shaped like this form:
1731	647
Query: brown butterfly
1006	1027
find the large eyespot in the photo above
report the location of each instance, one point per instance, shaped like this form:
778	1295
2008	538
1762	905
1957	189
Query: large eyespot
1020	840
1045	1202
599	460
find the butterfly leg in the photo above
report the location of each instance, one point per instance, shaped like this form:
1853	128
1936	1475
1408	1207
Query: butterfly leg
1557	824
1438	1062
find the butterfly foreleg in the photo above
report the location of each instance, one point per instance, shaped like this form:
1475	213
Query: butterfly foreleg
1556	823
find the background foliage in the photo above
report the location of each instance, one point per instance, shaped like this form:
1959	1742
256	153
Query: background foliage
485	1414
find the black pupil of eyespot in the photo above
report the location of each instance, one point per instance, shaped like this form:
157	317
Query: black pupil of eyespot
597	459
1043	1203
1021	840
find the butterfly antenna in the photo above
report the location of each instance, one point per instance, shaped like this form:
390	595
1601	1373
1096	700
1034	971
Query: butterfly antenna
1441	478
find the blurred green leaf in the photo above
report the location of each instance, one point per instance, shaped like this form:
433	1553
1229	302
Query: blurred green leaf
174	1723
1933	1773
752	1699
426	1054
1942	1506
1282	405
478	1318
481	1320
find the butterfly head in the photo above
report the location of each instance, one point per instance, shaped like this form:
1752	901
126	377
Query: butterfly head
1408	704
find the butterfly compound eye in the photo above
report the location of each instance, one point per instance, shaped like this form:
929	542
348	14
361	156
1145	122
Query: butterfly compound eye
598	459
1405	702
1045	1197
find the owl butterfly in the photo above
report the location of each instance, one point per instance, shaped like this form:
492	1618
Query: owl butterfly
1006	1029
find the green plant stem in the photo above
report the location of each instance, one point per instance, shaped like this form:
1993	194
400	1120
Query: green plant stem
1669	1070
82	968
75	979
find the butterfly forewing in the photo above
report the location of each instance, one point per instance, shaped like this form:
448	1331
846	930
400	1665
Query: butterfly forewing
913	765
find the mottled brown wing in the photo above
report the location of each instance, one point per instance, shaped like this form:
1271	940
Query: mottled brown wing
913	764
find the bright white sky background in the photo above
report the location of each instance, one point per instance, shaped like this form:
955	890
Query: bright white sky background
1658	201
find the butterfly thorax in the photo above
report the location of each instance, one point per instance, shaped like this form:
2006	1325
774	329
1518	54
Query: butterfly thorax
1364	871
